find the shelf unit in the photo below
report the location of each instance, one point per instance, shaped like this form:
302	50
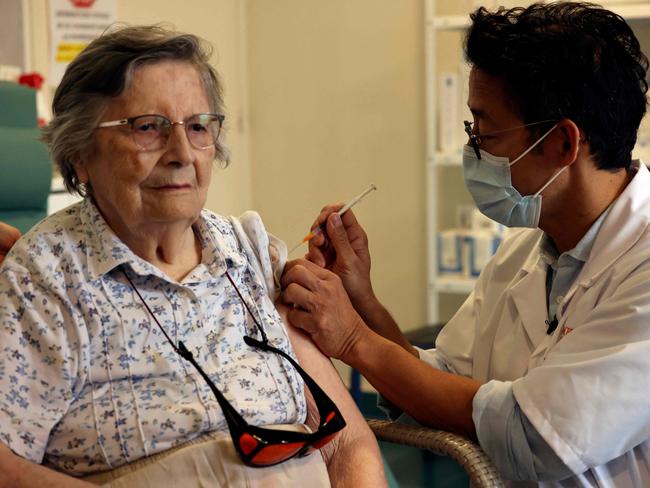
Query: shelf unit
437	162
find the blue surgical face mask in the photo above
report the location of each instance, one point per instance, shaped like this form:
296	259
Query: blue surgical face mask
488	181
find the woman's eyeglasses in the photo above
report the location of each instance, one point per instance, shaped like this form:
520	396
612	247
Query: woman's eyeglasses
151	131
259	446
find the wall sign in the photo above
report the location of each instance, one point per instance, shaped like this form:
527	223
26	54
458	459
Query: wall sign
73	24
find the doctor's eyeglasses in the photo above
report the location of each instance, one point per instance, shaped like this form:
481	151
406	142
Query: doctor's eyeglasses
151	131
476	139
259	446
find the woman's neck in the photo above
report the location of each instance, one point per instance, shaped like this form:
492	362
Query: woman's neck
174	249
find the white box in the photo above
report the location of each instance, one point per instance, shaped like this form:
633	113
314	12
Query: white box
464	214
449	124
450	252
478	248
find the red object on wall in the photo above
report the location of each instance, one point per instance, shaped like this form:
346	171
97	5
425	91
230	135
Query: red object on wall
82	3
32	80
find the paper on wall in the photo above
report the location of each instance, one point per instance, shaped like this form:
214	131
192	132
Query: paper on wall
73	24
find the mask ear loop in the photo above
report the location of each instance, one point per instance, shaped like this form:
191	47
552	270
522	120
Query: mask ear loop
533	146
550	181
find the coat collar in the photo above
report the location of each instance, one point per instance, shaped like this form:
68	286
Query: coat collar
632	208
627	221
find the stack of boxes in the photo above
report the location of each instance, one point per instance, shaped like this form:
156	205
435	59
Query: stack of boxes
464	251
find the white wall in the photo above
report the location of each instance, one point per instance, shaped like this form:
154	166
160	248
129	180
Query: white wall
337	102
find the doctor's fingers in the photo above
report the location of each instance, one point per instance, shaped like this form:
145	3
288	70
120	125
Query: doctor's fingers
306	321
320	239
297	296
312	293
302	319
325	212
304	273
305	290
325	249
320	248
335	330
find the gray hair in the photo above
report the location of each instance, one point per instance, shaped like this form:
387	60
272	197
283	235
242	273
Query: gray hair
102	71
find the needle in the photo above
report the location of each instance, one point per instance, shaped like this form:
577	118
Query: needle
317	230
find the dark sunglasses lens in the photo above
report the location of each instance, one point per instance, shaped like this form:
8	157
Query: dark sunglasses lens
276	453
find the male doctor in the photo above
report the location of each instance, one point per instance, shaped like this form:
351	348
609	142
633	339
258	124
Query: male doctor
547	363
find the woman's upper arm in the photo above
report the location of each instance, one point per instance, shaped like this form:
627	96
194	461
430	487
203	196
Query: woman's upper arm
356	439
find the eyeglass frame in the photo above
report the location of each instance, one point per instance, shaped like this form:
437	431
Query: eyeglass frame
129	121
330	423
475	139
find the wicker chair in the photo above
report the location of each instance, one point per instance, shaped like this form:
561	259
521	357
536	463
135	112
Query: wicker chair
470	456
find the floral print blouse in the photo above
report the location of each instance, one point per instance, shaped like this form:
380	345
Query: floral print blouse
88	382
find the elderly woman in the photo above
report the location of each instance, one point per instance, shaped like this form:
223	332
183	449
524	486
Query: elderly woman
140	341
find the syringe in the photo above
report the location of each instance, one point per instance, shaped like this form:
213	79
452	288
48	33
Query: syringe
317	230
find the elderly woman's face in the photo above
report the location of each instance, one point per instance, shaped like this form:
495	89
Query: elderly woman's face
134	187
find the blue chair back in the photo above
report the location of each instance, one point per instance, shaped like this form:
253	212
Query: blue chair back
25	167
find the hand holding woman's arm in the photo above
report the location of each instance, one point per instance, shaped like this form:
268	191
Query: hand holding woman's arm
17	472
322	309
304	280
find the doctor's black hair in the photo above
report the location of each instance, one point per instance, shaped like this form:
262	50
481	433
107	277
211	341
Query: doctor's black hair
567	60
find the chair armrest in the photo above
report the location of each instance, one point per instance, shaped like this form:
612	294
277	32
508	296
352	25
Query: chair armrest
470	456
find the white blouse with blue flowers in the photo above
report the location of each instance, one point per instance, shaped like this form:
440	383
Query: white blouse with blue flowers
87	380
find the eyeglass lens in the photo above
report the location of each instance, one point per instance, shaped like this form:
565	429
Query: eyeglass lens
152	131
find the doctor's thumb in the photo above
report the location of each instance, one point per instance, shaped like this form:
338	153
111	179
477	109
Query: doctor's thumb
338	236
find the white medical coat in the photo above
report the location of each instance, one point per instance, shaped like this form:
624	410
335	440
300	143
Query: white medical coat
586	387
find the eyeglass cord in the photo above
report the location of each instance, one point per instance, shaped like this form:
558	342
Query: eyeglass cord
257	324
181	349
326	409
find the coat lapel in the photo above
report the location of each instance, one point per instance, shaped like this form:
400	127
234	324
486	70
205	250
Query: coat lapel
529	297
527	292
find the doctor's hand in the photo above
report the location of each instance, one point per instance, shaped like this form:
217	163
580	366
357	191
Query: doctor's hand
8	237
321	308
342	248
